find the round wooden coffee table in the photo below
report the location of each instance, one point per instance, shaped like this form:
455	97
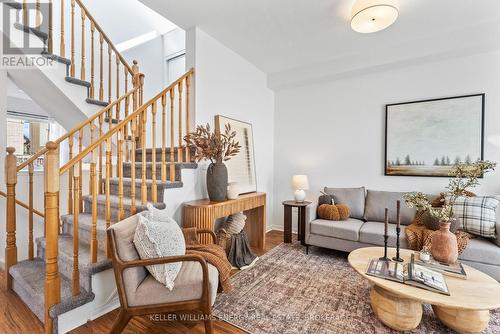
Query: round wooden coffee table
399	306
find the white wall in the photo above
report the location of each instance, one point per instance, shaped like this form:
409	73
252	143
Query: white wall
334	131
227	84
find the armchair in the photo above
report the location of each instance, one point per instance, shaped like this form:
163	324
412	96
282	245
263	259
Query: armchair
140	294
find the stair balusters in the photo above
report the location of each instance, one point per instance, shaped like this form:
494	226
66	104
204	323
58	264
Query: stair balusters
154	193
163	137
30	213
93	190
82	51
144	189
11	245
179	148
72	38
133	127
172	136
188	119
52	279
75	276
62	42
121	213
92	60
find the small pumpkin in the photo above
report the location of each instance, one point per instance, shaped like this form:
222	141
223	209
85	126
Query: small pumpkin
325	199
333	211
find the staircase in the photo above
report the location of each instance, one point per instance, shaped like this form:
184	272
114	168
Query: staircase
88	72
108	167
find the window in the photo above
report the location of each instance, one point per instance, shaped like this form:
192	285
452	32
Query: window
28	134
176	66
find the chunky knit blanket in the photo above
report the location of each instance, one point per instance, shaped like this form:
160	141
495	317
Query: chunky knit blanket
213	254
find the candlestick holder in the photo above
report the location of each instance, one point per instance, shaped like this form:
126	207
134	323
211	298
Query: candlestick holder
385	258
397	258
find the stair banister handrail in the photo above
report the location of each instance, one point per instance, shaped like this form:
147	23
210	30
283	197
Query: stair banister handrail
121	124
77	128
24	205
108	40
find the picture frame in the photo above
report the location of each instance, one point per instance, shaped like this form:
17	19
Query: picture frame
241	168
428	137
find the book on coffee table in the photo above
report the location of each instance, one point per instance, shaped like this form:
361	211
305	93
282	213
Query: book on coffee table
453	270
410	273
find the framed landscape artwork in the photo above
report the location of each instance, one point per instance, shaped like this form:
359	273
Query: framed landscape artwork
426	138
240	168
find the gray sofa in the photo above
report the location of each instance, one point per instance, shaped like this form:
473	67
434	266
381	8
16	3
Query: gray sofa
365	227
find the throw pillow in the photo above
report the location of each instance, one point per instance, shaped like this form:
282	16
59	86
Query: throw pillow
352	197
155	238
333	212
477	215
234	223
325	199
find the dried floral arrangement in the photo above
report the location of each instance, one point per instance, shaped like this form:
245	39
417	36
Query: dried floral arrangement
464	176
213	146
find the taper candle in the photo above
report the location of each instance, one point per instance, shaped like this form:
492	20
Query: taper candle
398	209
386	221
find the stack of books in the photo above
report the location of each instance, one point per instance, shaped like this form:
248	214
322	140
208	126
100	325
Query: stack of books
424	275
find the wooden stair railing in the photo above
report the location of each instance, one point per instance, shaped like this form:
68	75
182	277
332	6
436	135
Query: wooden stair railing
92	59
105	151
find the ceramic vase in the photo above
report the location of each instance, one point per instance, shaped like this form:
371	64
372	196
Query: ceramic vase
217	181
444	246
233	190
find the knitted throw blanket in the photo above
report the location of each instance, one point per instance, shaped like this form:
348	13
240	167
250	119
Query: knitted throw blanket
213	254
418	236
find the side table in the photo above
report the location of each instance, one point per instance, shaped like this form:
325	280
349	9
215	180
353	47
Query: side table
301	206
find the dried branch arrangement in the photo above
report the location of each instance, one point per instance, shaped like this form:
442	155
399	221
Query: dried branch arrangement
213	146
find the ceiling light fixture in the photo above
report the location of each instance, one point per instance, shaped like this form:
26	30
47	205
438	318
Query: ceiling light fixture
369	16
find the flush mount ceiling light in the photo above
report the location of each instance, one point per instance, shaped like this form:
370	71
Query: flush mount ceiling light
369	16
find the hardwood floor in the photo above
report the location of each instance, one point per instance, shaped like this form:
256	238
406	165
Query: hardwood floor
17	318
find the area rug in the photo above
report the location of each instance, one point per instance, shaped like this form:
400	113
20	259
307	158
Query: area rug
289	292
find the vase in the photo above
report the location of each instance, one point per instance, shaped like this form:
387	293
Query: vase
217	182
444	247
233	190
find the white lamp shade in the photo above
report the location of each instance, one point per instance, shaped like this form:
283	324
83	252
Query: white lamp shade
369	16
300	182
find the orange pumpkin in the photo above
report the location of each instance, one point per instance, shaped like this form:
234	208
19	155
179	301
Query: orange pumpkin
333	211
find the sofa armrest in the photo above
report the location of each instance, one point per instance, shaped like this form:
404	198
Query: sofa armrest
311	214
497	228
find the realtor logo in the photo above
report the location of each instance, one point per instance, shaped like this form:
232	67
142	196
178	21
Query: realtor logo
25	34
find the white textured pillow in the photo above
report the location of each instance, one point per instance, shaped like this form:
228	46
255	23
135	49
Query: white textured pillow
155	238
477	215
234	223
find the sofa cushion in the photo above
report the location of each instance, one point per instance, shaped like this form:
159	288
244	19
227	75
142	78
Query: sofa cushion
354	198
373	233
187	286
377	201
346	229
482	250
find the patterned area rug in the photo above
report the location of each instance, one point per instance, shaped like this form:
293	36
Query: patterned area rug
289	292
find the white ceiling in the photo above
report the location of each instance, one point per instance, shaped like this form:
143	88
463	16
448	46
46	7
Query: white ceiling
287	37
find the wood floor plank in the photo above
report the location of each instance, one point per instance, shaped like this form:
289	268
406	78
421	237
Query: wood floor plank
17	318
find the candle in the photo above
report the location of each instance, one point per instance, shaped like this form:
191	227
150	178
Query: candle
386	221
398	208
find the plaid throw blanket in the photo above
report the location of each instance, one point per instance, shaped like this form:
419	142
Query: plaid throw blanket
213	254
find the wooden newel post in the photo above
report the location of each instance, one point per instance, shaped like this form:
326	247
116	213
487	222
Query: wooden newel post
10	247
52	279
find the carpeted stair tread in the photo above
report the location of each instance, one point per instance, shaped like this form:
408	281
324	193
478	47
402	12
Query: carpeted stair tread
57	58
85	228
10	3
149	164
113	120
78	82
84	264
97	102
29	276
149	182
127	202
38	33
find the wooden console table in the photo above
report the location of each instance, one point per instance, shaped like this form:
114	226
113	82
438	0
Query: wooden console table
203	213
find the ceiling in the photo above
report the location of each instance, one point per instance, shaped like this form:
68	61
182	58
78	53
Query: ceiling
285	38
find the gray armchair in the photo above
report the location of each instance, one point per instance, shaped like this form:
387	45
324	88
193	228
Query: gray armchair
140	294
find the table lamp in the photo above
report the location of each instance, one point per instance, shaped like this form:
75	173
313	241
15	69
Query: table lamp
299	184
